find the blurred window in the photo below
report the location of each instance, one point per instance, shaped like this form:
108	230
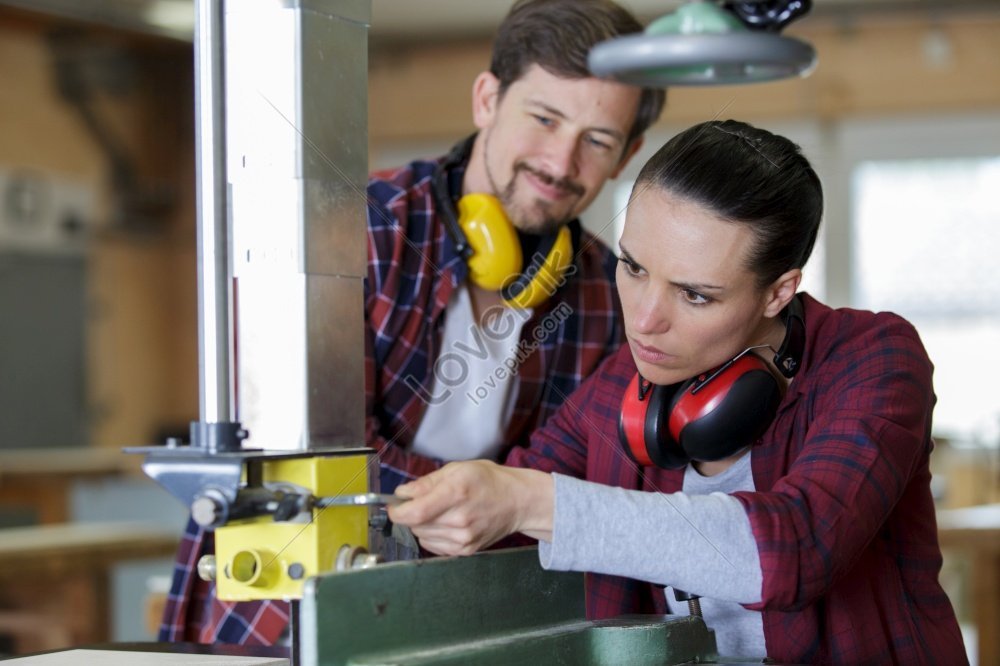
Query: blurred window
926	242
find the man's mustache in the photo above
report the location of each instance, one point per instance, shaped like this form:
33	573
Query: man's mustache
564	184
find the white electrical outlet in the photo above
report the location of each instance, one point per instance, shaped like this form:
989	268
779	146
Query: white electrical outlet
45	213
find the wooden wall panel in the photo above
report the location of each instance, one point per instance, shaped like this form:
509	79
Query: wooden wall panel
142	332
872	66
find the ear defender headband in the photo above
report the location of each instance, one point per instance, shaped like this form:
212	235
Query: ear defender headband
713	415
490	244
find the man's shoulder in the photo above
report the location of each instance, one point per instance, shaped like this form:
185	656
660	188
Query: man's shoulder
595	258
391	186
400	205
405	235
593	245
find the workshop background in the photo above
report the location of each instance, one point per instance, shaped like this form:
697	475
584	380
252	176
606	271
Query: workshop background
98	303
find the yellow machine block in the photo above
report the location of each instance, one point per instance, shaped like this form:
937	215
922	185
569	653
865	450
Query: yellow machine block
263	559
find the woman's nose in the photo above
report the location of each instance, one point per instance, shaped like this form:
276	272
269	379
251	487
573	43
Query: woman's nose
650	314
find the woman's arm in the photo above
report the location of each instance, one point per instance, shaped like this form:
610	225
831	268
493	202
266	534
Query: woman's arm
701	544
868	437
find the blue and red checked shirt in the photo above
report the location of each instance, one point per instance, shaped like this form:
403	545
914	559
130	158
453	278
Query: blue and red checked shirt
413	269
842	515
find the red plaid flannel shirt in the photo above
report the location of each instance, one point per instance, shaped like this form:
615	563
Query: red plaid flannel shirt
413	269
842	514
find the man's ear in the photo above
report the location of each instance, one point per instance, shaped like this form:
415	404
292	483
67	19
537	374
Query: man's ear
781	292
485	98
629	153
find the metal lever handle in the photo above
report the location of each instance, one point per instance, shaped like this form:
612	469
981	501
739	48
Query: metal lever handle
362	499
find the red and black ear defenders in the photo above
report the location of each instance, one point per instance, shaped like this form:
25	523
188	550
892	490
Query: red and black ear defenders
713	415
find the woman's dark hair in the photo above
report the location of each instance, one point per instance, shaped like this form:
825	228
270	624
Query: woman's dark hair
748	176
558	35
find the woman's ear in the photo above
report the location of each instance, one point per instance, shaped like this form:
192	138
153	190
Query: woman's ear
781	292
485	98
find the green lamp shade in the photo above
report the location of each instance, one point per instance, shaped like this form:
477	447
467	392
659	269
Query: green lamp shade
701	44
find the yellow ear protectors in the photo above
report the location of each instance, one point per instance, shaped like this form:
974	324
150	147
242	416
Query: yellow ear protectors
490	244
496	262
496	249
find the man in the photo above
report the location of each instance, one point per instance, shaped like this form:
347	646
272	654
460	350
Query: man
451	372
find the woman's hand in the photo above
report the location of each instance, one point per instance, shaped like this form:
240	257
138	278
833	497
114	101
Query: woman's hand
466	506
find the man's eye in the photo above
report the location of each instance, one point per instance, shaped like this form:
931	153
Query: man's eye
544	121
597	143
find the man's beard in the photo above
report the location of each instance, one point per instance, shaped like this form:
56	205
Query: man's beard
545	221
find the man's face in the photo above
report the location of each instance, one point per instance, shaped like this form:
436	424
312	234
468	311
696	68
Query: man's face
689	301
548	144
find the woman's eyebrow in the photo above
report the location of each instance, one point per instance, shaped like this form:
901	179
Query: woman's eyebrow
697	286
627	256
693	286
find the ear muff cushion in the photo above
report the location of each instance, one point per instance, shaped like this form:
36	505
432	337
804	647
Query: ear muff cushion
496	251
730	412
642	427
544	274
632	423
663	449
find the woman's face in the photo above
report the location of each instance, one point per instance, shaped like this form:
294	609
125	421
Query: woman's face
689	300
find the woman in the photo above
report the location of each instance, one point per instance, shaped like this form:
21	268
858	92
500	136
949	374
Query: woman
814	542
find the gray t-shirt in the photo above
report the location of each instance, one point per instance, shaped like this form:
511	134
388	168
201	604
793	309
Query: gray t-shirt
698	540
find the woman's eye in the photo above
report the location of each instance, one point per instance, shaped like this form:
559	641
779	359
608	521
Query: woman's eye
694	298
631	267
544	121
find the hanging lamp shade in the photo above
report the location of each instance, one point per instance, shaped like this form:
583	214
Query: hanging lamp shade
703	43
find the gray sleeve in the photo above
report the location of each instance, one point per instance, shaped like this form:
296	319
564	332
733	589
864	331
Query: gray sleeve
702	544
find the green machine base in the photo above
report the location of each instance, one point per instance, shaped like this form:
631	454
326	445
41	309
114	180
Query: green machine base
498	607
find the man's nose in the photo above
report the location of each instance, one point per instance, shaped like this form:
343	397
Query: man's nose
561	152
